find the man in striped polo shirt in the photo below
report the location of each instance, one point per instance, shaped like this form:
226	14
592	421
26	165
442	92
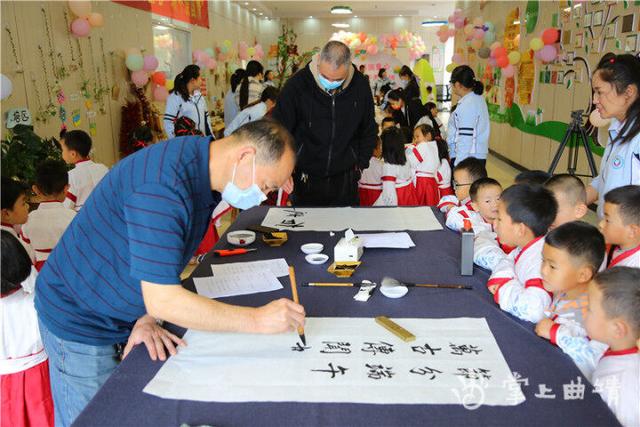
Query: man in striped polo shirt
117	267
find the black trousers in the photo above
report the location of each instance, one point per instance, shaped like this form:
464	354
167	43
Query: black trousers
336	190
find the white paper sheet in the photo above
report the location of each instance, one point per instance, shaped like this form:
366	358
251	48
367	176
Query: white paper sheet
346	360
387	240
278	267
359	219
228	285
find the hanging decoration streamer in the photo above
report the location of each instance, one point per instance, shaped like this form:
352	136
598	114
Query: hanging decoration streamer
13	50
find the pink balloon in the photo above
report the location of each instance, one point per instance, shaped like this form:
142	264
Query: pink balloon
150	63
80	27
457	58
502	61
139	78
197	54
492	62
548	53
509	71
372	49
444	38
160	93
451	18
478	33
459	23
212	64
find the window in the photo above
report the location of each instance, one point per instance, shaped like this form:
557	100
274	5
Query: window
172	47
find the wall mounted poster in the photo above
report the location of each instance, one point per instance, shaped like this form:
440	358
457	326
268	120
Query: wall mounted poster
526	79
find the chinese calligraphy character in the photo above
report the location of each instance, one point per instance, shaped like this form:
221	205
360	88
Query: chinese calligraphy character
459	350
380	347
291	223
426	371
474	373
573	391
336	347
377	372
333	371
299	347
424	349
294	214
543	392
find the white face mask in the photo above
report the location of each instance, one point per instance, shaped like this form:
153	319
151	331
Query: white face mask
403	83
243	199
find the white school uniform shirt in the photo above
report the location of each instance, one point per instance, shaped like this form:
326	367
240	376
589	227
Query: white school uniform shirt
620	165
249	114
194	108
457	215
616	257
371	177
520	291
83	178
27	247
231	108
617	380
448	202
21	347
393	177
469	127
443	176
45	227
423	158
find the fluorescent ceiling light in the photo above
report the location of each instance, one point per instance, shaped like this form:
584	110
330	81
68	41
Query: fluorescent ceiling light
340	25
433	23
310	17
341	10
161	27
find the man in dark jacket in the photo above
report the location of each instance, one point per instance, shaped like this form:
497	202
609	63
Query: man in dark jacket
328	108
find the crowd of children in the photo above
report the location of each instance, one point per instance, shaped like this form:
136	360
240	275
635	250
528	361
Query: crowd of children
27	241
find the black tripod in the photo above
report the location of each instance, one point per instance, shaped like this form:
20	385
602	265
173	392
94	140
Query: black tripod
581	138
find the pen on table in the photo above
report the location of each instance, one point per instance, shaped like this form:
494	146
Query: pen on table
330	284
294	292
230	252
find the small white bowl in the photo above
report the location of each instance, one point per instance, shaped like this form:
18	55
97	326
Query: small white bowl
316	259
241	237
394	291
312	248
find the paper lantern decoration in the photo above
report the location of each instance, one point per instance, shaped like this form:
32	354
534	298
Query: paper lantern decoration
80	27
514	57
96	20
6	87
509	70
484	52
82	9
536	44
160	93
550	36
139	78
502	61
548	53
596	119
134	62
159	78
149	63
169	85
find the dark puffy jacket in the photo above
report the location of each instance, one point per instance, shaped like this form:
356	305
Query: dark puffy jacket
333	133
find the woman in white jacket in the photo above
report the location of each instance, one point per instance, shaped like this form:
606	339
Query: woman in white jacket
186	100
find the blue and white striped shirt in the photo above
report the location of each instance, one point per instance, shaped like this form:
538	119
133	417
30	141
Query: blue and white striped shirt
143	221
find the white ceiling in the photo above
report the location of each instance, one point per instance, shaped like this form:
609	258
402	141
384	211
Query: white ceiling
430	9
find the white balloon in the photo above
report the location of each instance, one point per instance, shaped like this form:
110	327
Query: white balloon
6	87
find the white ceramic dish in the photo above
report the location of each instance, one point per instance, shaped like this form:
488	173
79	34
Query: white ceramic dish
394	291
312	248
316	259
241	237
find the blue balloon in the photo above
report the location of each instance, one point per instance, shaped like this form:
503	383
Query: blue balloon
489	37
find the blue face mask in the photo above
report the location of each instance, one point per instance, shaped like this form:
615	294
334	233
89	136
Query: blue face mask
328	85
243	199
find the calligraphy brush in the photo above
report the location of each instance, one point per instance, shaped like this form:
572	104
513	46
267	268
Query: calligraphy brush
294	292
390	282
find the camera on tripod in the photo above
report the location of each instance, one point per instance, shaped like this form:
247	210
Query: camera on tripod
576	129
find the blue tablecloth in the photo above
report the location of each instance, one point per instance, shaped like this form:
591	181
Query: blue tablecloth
121	401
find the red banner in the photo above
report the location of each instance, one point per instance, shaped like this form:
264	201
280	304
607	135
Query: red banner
194	12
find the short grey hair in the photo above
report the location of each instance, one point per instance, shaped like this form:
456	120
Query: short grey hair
336	53
269	137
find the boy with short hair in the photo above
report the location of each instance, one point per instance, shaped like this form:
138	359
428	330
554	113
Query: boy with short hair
532	177
464	174
524	216
571	195
47	224
614	319
621	226
387	123
484	195
571	257
15	209
76	146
